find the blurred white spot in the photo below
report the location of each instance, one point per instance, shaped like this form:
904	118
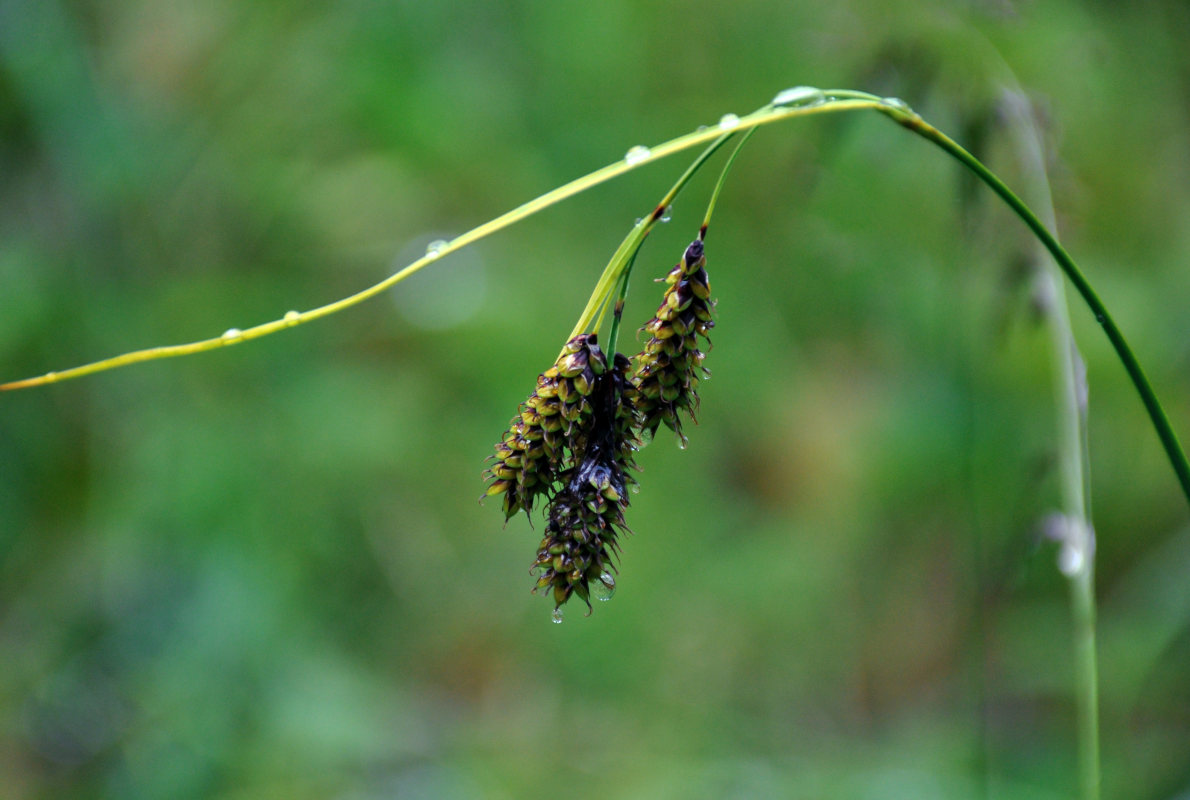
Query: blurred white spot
1076	543
444	294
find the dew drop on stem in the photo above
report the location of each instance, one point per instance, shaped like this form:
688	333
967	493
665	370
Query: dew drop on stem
292	317
799	96
435	248
728	121
637	154
232	334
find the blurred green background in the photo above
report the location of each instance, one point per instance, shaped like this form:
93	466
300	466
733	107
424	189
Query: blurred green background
262	572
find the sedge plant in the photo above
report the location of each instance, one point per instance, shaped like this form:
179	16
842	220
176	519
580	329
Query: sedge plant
574	441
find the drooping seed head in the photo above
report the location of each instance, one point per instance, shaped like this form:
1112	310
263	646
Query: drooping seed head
669	367
587	514
542	438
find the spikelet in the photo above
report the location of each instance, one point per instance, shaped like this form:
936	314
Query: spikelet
549	427
585	518
669	368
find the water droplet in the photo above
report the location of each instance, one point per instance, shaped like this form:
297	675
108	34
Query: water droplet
639	220
557	616
232	334
447	295
728	121
50	377
800	96
1100	318
637	154
667	214
898	104
700	129
1071	560
604	588
292	317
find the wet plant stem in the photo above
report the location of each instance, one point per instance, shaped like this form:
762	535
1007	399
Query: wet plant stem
833	101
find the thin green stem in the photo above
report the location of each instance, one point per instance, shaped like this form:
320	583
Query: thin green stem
1086	673
1169	440
621	260
614	335
764	116
706	220
1077	559
832	101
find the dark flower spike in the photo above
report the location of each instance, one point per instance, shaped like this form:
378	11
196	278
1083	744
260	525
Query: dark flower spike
548	428
669	368
585	518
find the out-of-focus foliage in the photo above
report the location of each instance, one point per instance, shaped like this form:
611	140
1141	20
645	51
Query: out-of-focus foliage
263	572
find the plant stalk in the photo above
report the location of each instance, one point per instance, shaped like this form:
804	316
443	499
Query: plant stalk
1169	439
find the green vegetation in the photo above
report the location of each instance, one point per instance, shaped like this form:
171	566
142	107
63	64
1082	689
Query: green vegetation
261	572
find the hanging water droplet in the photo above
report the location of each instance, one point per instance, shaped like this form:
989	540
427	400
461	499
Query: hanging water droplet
604	588
1070	560
292	317
435	248
799	96
667	214
728	121
898	104
639	220
232	334
637	154
557	616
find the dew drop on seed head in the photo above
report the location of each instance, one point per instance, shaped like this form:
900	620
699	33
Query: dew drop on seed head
637	154
435	248
799	96
292	317
604	588
728	121
667	214
557	616
898	104
231	334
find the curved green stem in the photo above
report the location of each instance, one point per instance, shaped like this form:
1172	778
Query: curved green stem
1169	440
830	101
